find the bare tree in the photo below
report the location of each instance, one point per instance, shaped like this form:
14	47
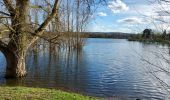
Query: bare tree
21	35
22	31
162	66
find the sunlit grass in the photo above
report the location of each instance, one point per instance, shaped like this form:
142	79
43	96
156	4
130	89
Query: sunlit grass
25	93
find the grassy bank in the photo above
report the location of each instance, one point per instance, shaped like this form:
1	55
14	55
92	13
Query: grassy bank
25	93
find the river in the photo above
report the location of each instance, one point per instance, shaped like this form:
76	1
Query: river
103	68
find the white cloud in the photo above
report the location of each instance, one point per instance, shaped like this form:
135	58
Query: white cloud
102	14
131	20
138	16
117	6
151	10
143	10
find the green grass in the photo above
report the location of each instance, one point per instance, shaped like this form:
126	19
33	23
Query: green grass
25	93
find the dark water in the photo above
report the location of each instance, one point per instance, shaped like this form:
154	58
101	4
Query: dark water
104	68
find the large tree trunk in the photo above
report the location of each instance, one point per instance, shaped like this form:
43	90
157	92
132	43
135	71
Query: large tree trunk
16	49
15	61
15	65
20	37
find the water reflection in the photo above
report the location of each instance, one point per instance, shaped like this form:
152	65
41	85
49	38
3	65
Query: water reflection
104	67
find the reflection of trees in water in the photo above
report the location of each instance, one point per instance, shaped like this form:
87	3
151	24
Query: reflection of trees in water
54	67
51	66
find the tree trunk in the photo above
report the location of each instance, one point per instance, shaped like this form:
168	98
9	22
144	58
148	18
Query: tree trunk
17	47
20	37
15	63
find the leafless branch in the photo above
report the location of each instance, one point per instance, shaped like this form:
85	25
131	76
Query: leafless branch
43	26
4	13
8	4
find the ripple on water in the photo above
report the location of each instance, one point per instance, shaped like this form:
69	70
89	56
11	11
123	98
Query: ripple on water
105	68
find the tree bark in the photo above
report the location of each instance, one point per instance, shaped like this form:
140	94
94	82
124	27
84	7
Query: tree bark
15	61
15	50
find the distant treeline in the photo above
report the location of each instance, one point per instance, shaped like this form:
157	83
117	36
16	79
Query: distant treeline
115	35
149	36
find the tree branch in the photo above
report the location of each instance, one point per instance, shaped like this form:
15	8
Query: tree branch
8	4
167	1
43	26
39	32
1	17
39	7
4	13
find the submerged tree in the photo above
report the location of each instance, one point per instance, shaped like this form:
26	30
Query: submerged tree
21	36
16	17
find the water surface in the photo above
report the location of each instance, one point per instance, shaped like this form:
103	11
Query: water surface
103	68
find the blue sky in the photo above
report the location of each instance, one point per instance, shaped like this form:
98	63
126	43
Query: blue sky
131	16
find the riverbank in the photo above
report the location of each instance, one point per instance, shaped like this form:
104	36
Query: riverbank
156	39
25	93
